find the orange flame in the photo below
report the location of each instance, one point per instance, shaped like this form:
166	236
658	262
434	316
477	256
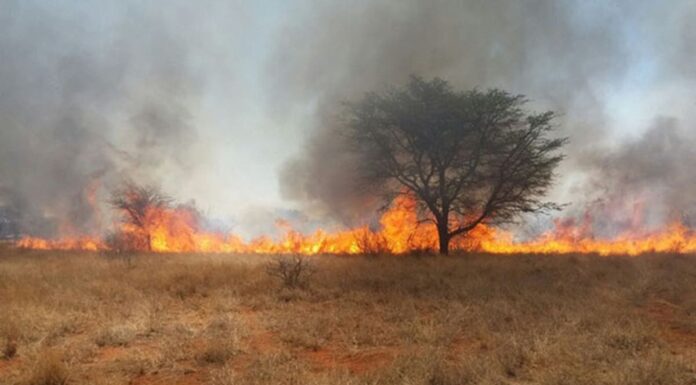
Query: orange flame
178	230
80	243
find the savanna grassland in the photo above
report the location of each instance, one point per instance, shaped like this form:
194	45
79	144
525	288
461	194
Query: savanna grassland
80	318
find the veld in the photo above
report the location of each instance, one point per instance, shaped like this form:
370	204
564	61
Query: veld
81	318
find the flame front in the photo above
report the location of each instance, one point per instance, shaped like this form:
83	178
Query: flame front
178	230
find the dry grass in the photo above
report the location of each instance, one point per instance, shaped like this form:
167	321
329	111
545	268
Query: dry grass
202	319
49	370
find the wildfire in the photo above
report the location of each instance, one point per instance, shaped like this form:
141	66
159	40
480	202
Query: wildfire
676	238
79	243
178	229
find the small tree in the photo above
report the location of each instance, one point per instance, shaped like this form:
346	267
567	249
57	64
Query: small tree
468	157
134	203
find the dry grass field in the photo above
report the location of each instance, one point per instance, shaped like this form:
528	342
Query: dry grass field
217	319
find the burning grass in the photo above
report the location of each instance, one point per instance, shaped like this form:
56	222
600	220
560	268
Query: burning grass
221	319
176	228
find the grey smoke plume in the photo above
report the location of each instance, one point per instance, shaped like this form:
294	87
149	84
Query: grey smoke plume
97	91
88	95
570	56
646	182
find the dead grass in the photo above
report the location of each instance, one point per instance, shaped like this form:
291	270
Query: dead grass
9	334
199	319
49	370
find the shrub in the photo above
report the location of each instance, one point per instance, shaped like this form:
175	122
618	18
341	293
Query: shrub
292	271
11	333
10	348
218	351
122	246
49	370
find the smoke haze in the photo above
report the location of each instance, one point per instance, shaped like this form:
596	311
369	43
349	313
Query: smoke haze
85	100
608	67
234	105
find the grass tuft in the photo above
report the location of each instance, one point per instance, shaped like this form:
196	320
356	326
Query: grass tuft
49	370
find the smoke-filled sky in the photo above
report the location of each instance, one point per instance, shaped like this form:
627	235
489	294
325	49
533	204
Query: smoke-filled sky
232	104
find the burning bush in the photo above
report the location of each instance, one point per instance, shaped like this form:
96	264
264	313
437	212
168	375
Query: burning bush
120	242
137	206
150	221
371	243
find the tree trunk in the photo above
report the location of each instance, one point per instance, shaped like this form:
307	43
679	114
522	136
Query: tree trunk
149	242
443	238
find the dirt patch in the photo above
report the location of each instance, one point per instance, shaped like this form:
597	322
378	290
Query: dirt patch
111	353
358	363
193	378
261	340
9	366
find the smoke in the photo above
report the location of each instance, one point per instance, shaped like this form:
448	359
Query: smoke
90	95
646	182
589	61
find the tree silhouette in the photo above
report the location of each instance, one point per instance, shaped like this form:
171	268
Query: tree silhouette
468	157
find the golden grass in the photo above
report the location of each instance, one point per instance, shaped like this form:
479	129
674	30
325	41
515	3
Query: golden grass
217	319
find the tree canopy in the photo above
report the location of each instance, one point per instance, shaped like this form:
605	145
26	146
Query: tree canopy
468	157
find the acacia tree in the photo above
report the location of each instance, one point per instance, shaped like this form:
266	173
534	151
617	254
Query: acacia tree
468	157
134	202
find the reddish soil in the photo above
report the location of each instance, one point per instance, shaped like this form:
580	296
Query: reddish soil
465	345
357	363
108	354
261	340
7	366
193	378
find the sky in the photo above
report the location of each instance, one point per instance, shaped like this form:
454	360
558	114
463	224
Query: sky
221	102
